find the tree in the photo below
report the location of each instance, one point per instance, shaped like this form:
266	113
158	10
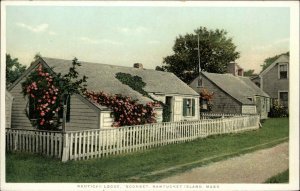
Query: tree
270	60
36	57
13	69
249	73
216	51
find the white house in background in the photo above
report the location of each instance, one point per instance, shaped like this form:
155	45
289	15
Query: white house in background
84	114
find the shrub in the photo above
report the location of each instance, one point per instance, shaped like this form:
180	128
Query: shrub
278	110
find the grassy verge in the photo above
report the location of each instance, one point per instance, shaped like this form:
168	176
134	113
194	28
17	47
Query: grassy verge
279	178
22	167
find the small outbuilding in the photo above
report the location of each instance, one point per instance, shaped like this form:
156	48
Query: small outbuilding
233	94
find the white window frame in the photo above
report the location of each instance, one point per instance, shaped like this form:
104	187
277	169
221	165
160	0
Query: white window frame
287	70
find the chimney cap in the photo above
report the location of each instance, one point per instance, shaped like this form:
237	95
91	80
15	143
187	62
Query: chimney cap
138	65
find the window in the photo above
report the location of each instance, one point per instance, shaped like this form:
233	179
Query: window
283	71
60	113
188	107
200	82
203	104
283	98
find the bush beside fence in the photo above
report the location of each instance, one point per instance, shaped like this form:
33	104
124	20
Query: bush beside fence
79	145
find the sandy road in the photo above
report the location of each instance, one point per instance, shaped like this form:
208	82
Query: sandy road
255	167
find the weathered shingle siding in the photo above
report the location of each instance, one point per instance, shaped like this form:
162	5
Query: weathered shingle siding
222	102
8	108
82	116
272	84
18	117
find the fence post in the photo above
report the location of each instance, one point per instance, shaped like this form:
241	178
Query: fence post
65	149
15	141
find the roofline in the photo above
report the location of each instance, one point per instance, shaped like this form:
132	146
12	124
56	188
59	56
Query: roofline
89	62
161	93
271	66
41	61
90	103
220	88
31	67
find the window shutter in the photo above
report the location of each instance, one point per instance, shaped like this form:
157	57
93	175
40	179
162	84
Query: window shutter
32	108
60	112
184	107
193	107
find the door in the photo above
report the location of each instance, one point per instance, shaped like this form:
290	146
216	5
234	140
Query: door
167	113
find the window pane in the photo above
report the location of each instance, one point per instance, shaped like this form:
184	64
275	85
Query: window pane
283	75
283	68
284	96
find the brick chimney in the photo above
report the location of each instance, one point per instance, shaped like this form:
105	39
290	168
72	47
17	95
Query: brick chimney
234	69
138	65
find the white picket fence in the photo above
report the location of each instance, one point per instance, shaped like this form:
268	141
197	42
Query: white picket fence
99	143
219	115
35	141
80	145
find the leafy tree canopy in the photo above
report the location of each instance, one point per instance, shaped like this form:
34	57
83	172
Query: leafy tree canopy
249	73
270	60
36	57
13	69
216	51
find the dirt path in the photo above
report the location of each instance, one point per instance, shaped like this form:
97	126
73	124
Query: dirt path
253	167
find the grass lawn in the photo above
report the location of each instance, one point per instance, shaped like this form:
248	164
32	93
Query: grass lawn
280	178
21	167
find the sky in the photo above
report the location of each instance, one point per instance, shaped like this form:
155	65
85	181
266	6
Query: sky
123	35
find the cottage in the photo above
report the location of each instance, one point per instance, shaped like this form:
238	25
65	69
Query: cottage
274	80
233	94
84	114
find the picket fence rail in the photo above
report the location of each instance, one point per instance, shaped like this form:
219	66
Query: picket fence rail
80	145
220	115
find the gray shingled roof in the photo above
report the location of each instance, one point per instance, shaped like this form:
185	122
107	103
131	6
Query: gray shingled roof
238	87
101	77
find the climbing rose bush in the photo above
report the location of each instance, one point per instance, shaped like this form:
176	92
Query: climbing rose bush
207	96
44	92
46	89
125	110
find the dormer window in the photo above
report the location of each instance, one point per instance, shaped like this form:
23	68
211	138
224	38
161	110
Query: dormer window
283	71
250	98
